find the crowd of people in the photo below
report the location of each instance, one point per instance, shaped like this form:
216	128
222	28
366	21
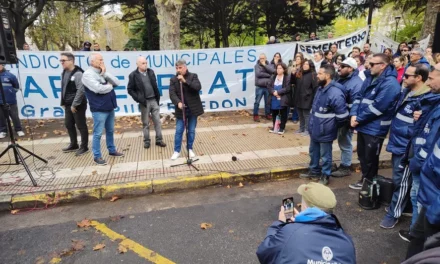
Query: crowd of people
373	95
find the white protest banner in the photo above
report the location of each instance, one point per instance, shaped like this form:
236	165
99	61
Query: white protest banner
379	43
227	77
345	43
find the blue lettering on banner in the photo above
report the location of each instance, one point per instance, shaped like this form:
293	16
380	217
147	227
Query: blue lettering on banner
118	63
244	77
58	112
28	90
227	103
50	64
32	61
28	111
159	63
215	58
119	88
213	105
160	84
252	55
201	58
55	90
238	56
222	84
169	62
78	60
224	59
239	103
186	56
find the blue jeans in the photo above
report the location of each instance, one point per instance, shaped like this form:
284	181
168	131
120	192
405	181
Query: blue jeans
414	192
295	116
401	180
103	120
344	140
261	92
180	127
320	151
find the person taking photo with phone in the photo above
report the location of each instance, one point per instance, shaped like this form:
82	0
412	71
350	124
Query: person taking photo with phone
313	235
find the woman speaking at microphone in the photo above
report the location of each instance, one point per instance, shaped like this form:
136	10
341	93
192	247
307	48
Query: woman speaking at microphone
188	101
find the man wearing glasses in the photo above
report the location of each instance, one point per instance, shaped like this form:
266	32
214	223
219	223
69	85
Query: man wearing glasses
416	56
371	114
415	97
75	104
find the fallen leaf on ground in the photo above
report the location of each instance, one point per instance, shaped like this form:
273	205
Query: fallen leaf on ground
122	249
114	198
39	260
66	252
21	252
94	173
116	218
55	260
15	211
74	231
244	134
304	153
231	231
153	254
84	223
240	185
205	226
348	203
77	245
229	186
98	247
132	216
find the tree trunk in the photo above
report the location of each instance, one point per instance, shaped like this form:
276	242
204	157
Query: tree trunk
168	13
149	24
20	38
432	9
313	16
217	29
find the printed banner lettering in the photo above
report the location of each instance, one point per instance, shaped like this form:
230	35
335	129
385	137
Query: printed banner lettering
227	77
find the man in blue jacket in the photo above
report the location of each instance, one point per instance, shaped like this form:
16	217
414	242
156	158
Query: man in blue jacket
99	87
417	56
329	112
312	236
426	130
10	88
401	132
348	77
428	221
372	112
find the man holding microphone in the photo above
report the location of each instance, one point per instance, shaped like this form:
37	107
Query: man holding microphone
190	102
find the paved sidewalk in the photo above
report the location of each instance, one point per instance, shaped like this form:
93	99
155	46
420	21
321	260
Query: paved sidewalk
258	152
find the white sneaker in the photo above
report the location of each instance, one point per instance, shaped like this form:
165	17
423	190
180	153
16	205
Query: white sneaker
192	154
20	133
2	134
175	156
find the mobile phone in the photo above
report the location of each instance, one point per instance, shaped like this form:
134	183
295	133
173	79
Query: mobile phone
288	207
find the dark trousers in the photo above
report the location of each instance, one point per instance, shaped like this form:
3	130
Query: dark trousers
74	121
421	230
368	148
13	113
304	116
284	114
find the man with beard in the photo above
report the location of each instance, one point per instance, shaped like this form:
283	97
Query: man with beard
371	114
329	112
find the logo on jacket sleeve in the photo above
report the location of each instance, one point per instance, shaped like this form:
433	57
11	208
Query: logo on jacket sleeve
327	253
373	92
426	129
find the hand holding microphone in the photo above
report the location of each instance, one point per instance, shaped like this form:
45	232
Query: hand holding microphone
181	78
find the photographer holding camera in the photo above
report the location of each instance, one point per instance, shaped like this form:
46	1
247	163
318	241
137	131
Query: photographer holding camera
312	236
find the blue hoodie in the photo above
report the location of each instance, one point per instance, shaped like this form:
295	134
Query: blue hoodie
314	237
423	60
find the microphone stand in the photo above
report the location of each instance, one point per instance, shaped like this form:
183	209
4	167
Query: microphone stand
19	159
189	161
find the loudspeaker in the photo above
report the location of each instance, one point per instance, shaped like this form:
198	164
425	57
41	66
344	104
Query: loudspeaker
8	53
436	44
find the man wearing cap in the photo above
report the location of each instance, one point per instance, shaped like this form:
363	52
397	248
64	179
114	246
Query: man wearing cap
326	241
349	78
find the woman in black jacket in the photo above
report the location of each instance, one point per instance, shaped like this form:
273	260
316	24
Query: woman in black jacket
306	83
279	102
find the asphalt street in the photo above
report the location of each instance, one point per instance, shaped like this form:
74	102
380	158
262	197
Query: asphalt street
167	227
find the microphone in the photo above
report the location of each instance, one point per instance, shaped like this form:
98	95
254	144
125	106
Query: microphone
177	75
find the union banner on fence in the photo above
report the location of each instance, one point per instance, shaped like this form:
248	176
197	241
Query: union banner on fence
345	43
227	77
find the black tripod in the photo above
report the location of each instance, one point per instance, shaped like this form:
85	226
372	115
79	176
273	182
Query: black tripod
19	159
189	161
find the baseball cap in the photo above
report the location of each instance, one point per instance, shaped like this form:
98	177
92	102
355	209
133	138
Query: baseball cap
317	195
350	62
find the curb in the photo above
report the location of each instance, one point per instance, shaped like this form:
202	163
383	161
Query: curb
141	188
